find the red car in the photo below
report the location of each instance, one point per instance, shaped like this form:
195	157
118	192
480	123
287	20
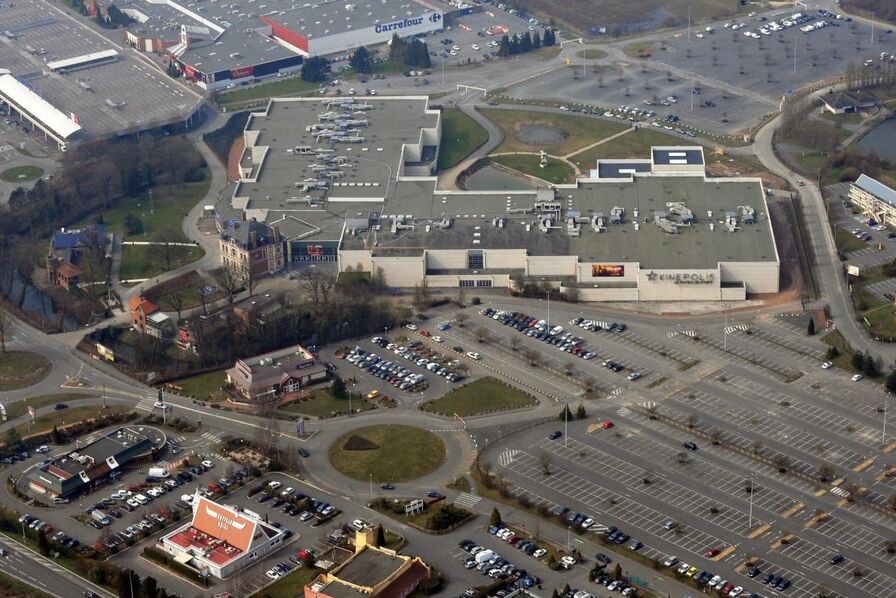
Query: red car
713	552
607	425
728	587
425	333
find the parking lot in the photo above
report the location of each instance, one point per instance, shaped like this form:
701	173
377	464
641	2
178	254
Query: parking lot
106	98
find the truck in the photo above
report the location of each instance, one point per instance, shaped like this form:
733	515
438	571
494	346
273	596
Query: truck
158	472
483	556
100	517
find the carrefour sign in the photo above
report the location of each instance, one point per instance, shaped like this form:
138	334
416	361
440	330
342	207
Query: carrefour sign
406	23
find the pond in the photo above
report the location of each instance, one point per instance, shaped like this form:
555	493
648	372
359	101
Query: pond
535	134
489	178
881	140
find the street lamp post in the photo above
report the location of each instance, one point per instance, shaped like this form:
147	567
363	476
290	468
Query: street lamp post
726	307
752	477
565	424
883	434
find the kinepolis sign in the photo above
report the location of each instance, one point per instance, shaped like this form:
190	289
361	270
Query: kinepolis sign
683	277
405	23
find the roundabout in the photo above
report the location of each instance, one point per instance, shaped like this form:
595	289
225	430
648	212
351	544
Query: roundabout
387	453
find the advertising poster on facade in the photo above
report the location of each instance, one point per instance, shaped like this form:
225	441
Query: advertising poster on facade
607	271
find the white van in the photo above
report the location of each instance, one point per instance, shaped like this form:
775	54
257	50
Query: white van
274	485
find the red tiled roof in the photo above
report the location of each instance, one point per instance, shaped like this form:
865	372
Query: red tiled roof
144	305
213	549
68	269
224	523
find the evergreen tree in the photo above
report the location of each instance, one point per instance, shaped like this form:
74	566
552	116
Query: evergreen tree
549	38
869	367
515	44
565	414
526	42
504	46
580	412
811	328
360	60
858	361
43	545
890	382
150	586
536	40
380	535
338	388
396	49
315	69
495	517
617	571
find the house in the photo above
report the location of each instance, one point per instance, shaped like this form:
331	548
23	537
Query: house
372	572
221	540
68	248
251	249
158	324
847	102
259	311
276	374
141	309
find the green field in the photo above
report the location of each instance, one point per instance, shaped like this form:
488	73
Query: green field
556	171
13	588
591	54
138	262
291	86
485	395
404	453
20	369
321	403
17	409
579	131
161	210
201	385
461	135
21	174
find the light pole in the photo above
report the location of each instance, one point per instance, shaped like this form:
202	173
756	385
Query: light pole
565	424
726	307
371	486
752	477
883	434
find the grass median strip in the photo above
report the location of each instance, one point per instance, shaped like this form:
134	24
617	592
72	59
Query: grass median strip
486	395
461	135
392	453
20	369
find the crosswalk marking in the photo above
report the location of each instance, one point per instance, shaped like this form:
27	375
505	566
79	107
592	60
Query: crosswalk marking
617	391
506	457
736	328
6	148
466	500
623	411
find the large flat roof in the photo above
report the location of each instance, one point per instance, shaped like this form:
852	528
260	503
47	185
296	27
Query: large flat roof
877	189
38	108
368	568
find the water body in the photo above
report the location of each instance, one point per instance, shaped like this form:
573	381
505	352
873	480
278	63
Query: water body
489	178
881	140
31	299
531	134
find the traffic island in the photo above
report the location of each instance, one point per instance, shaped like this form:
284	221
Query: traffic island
387	453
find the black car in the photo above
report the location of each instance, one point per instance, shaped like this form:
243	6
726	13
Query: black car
387	486
753	572
60	406
691	446
603	558
783	584
555	435
304	452
837	559
265	498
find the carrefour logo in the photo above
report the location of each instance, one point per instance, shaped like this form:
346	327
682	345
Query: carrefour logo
405	23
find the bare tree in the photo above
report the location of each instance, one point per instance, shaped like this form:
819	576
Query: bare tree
682	458
532	357
756	447
319	285
716	437
692	420
231	281
568	368
166	246
782	462
461	319
651	411
545	461
482	334
6	322
514	343
825	472
890	546
176	297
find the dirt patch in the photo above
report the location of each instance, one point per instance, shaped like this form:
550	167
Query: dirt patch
725	169
359	443
233	159
788	251
539	133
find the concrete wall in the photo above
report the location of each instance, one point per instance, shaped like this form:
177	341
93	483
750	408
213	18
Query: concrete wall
759	277
505	259
352	258
551	265
607	294
453	280
585	272
402	271
369	36
446	259
652	286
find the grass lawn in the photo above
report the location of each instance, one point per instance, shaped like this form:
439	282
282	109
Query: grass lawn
847	119
404	453
189	298
165	211
639	49
201	385
138	262
45	423
555	171
320	403
19	408
881	320
461	135
21	174
10	586
846	241
633	145
579	131
285	87
485	395
290	586
20	369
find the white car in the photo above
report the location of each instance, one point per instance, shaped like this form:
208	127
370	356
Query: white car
273	574
564	108
288	492
473	355
856	377
670	561
827	365
208	464
438	339
539	553
683	568
274	485
567	562
411	327
737	591
475	47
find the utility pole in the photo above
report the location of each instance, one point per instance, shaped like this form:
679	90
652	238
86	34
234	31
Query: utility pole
725	345
566	424
371	486
872	28
104	395
692	95
883	434
584	62
794	54
752	477
689	24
